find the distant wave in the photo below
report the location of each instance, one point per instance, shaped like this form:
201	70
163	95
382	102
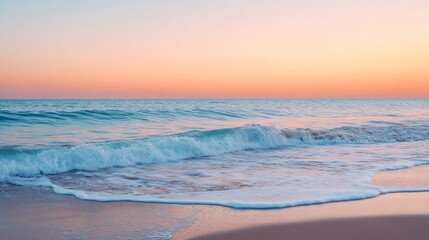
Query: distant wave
194	144
93	115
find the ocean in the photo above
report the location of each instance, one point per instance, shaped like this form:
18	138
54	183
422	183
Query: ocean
253	154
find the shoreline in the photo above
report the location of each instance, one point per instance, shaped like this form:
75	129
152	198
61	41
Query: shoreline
39	213
388	206
400	207
43	214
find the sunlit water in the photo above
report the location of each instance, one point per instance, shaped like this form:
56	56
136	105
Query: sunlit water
236	153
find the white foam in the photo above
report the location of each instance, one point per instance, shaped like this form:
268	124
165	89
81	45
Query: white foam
274	178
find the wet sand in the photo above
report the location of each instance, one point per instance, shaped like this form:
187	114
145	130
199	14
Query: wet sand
368	228
411	177
41	214
389	206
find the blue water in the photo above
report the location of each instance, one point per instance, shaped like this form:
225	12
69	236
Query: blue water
236	153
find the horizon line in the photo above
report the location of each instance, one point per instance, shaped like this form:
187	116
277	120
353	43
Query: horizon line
256	98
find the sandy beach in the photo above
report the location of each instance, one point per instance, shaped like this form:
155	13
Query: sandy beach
41	214
392	227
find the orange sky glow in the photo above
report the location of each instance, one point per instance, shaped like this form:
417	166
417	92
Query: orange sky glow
214	49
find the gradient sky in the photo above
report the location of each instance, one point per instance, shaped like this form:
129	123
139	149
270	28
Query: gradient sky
214	49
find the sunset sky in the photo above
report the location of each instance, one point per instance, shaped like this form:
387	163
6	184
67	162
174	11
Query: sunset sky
214	49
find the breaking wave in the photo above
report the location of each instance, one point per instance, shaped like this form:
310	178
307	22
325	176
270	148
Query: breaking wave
194	144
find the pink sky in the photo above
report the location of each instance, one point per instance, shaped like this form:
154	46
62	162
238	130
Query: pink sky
214	49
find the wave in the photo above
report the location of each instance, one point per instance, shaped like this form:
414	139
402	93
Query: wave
194	144
59	117
8	117
364	134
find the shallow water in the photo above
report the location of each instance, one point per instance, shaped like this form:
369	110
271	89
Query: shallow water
236	153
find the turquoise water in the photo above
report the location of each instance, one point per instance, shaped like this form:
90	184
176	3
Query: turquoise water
236	153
